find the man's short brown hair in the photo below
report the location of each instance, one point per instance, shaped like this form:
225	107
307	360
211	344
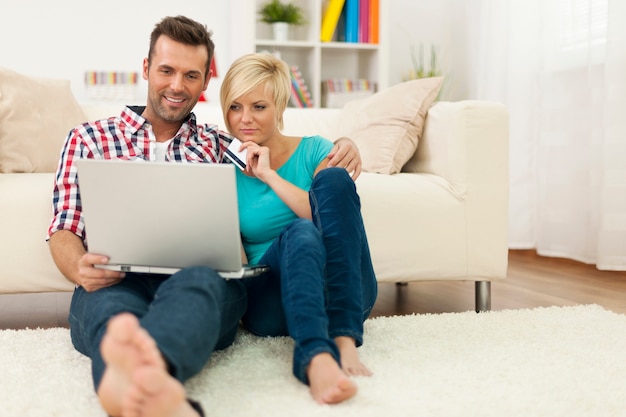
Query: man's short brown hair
184	30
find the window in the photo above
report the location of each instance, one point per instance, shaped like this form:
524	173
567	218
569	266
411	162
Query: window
580	33
583	22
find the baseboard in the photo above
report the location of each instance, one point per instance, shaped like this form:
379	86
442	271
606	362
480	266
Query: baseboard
33	310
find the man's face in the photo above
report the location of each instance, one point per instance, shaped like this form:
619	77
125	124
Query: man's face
175	78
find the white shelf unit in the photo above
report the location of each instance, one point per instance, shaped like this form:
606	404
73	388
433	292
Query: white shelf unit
317	60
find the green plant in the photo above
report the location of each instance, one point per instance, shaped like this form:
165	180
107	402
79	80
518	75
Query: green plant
419	69
276	11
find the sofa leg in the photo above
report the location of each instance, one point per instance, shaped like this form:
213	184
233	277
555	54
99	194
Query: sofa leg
402	284
482	295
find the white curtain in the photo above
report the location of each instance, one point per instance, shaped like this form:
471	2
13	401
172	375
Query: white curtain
560	67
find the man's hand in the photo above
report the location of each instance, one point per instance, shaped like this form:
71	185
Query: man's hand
92	278
77	265
346	155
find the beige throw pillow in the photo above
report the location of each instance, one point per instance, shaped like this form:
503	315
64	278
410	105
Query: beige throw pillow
36	114
387	126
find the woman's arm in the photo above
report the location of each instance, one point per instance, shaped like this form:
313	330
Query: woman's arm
294	197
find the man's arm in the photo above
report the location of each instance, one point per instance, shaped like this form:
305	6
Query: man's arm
77	265
345	154
66	249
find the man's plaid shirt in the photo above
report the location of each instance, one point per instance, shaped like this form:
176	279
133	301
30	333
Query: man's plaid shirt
128	136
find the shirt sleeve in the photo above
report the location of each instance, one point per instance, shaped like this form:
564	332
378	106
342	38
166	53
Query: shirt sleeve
66	206
314	150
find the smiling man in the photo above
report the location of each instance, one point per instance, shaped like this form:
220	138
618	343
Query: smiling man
148	333
176	75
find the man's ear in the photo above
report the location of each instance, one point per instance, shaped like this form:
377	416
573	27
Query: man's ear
146	66
208	78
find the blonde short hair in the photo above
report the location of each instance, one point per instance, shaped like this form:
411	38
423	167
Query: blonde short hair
250	71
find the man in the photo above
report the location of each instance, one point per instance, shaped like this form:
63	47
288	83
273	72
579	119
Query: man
147	334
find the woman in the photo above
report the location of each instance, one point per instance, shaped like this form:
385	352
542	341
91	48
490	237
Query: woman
303	220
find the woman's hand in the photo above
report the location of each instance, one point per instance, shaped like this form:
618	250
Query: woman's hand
345	154
258	161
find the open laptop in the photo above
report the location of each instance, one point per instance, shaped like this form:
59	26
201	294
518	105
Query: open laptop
160	217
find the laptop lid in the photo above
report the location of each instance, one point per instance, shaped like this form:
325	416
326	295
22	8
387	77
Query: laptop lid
159	217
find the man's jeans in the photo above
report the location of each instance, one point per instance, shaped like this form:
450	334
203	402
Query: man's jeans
189	314
321	282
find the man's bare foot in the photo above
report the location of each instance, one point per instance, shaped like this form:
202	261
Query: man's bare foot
350	362
125	347
328	383
156	394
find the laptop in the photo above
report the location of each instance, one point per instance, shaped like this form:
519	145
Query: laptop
160	217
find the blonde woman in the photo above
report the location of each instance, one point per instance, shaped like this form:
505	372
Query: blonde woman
302	219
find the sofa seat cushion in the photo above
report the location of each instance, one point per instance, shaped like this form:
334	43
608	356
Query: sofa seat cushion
27	265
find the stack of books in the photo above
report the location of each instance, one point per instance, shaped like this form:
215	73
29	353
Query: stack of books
300	96
338	91
350	21
111	85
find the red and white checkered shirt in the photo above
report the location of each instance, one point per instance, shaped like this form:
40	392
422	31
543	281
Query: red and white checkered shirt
127	136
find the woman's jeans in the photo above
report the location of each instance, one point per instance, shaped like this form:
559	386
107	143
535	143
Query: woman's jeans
189	314
321	282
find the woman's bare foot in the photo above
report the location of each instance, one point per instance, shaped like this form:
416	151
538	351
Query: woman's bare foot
156	394
350	362
328	383
125	347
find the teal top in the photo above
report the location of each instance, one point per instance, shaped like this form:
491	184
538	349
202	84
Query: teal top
262	214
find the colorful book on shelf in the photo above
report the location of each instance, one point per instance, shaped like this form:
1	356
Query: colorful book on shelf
364	21
352	20
340	30
374	16
330	19
295	96
300	87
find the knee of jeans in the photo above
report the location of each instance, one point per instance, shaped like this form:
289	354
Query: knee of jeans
338	177
196	276
200	279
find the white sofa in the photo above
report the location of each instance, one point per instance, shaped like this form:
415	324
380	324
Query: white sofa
444	219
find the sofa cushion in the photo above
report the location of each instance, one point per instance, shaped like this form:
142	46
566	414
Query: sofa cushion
36	115
387	126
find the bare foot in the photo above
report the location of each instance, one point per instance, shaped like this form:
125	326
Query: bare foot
328	383
156	394
125	347
350	362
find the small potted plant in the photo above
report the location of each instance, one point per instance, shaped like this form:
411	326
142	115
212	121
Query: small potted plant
280	15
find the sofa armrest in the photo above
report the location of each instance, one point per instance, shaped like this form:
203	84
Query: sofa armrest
463	138
466	143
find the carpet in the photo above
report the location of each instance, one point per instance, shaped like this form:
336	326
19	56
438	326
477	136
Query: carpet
555	361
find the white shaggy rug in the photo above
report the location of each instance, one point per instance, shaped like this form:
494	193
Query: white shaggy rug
568	361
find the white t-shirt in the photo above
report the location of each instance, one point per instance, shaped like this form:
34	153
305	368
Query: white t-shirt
161	150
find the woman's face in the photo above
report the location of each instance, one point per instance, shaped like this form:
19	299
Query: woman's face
253	117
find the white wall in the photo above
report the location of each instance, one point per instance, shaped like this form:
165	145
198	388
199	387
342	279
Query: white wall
65	38
439	23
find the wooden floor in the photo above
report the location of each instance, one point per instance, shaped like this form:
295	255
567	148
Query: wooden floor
532	281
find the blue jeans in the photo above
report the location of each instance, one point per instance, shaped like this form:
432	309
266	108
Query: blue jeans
321	282
189	314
